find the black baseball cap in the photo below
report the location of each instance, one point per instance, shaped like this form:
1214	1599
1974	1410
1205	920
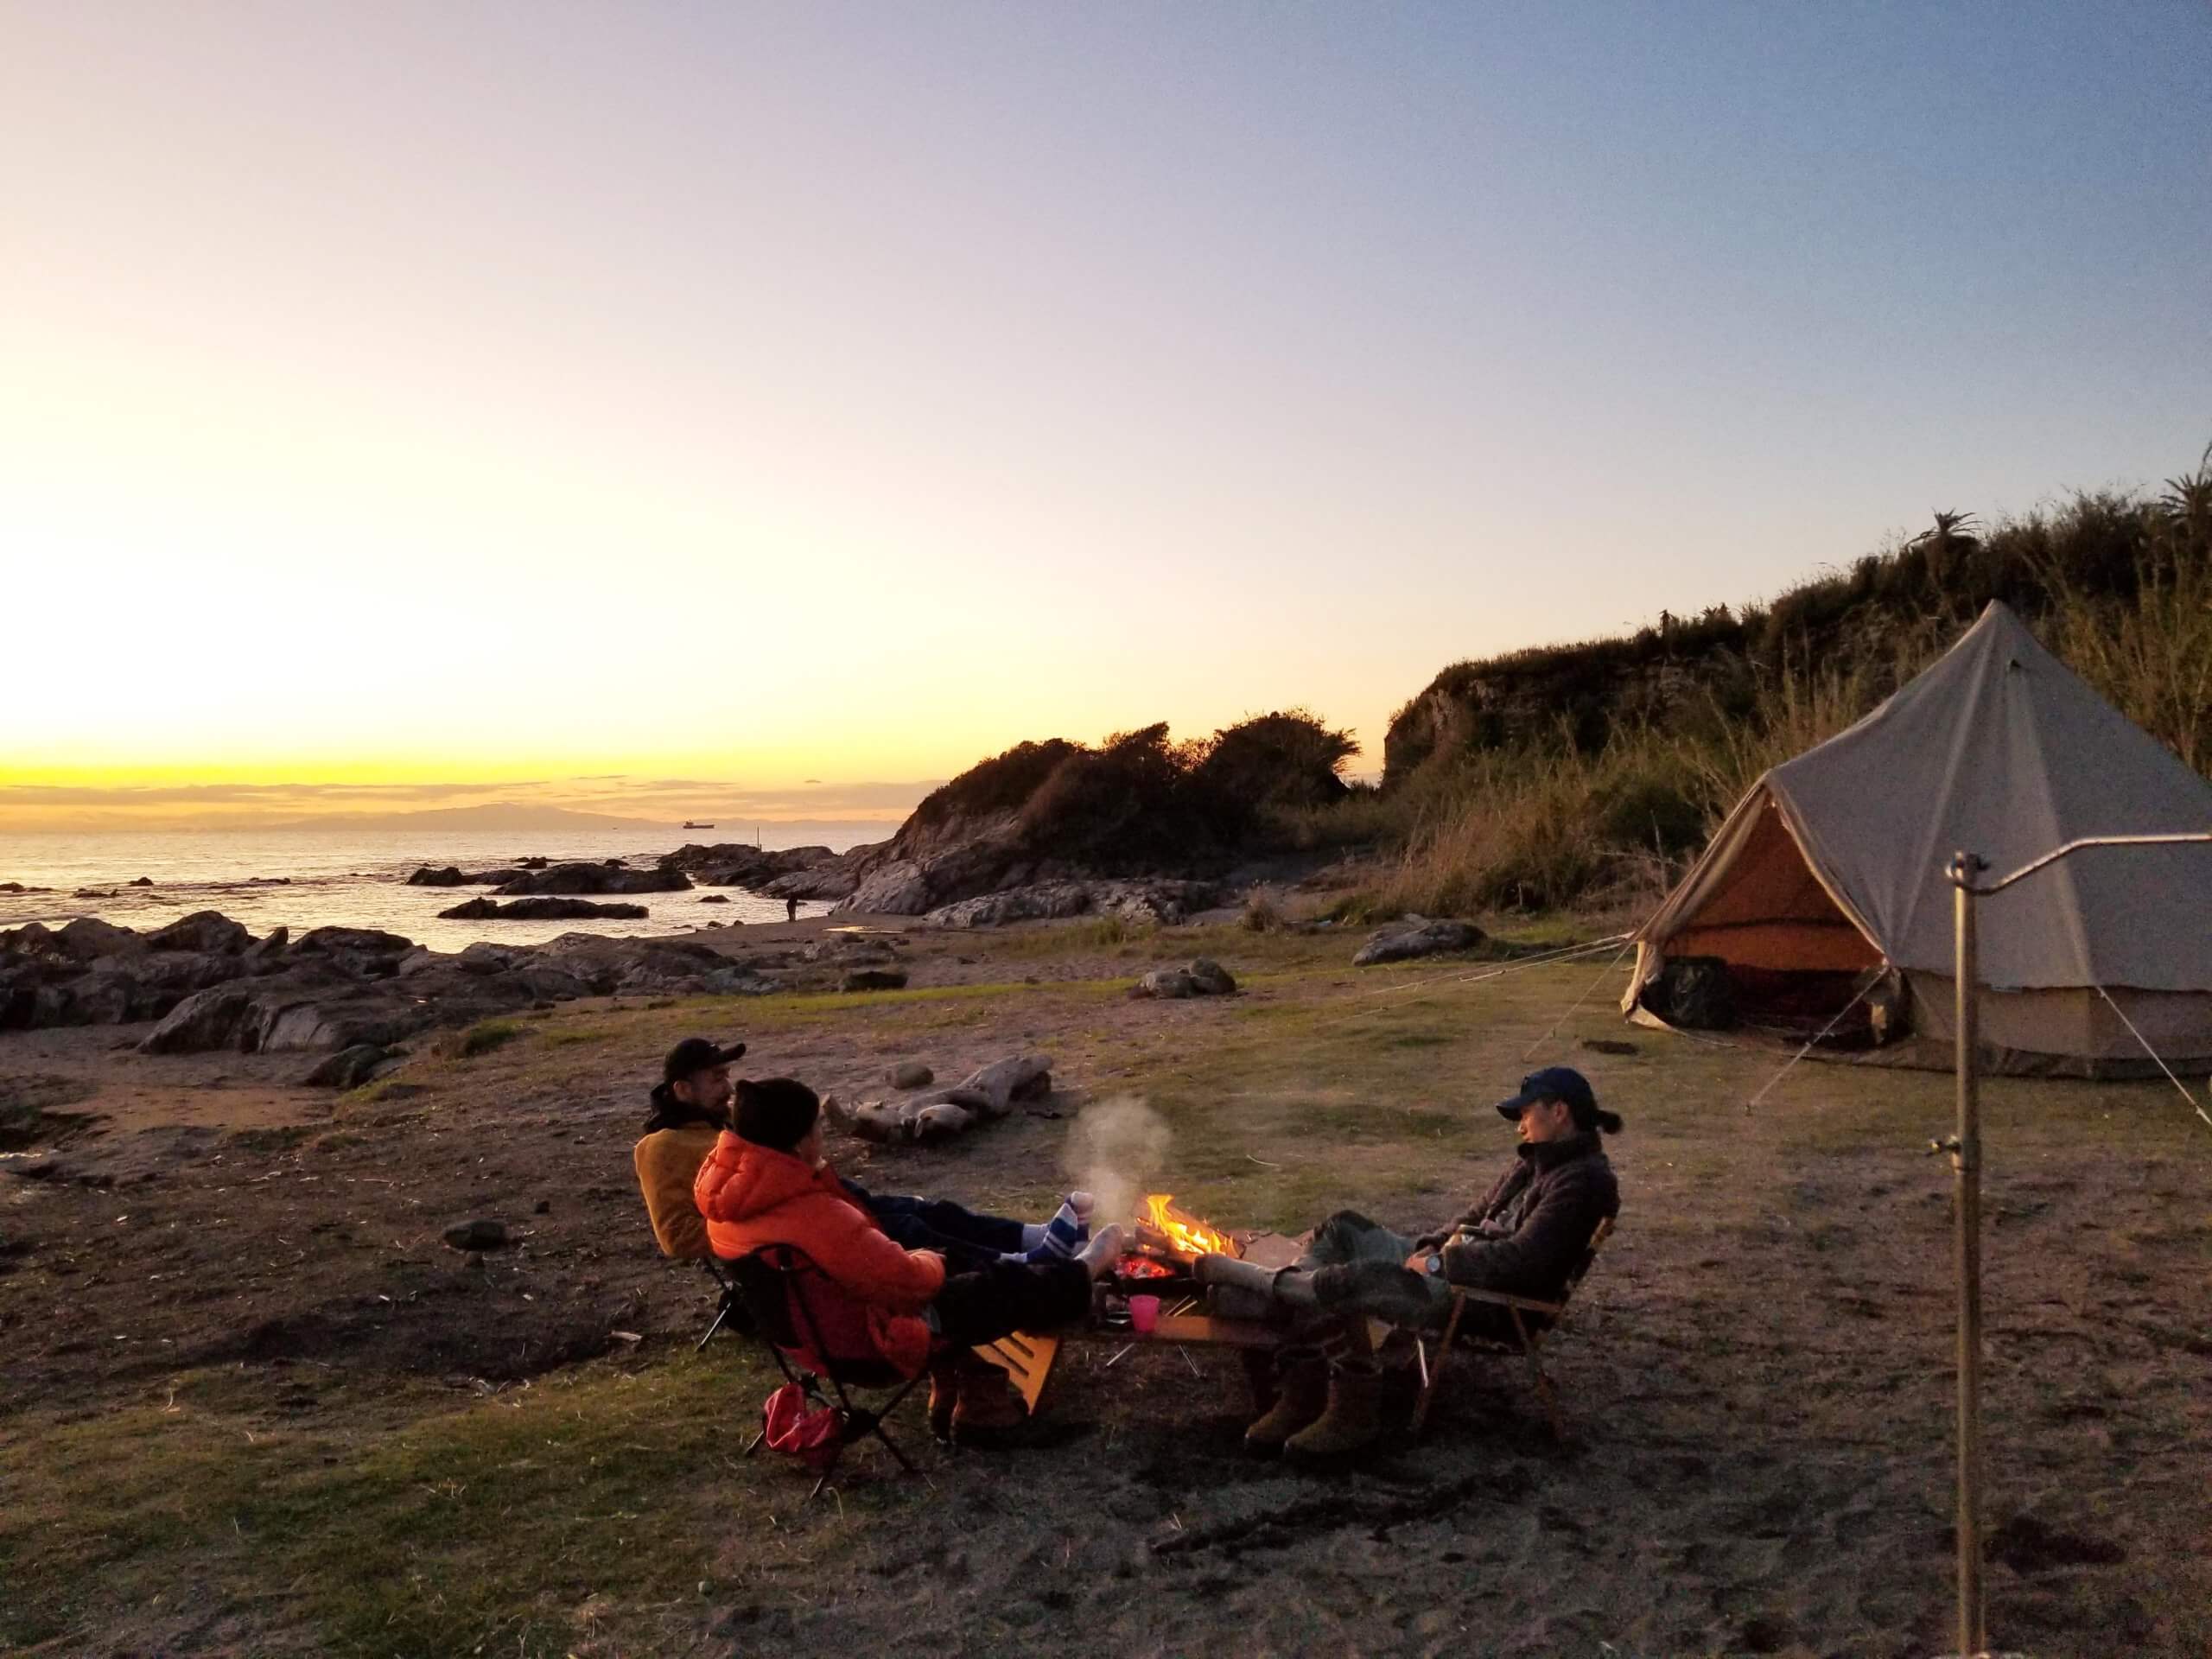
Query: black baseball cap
1553	1083
696	1054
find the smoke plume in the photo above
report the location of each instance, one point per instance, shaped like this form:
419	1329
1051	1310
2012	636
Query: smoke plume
1117	1149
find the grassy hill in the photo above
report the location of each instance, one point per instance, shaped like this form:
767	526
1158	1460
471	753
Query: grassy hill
1588	773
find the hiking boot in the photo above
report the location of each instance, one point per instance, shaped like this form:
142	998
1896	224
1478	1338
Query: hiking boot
988	1407
1353	1419
1302	1381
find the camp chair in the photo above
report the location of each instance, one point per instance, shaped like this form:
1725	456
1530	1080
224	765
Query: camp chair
730	1310
819	1335
1526	1340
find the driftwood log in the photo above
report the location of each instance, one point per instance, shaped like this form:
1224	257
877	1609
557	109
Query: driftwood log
984	1096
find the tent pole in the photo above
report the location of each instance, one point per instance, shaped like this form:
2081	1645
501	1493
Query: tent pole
1965	1149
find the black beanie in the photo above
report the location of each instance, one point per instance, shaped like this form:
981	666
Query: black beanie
775	1112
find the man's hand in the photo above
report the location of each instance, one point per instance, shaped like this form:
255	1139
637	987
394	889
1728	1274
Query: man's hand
1418	1262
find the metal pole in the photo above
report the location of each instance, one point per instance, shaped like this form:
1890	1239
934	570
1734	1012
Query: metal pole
1965	1160
1965	1149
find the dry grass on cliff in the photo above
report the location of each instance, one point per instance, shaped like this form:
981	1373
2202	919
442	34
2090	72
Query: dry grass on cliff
1561	824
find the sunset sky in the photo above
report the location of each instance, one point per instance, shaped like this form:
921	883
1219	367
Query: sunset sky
682	408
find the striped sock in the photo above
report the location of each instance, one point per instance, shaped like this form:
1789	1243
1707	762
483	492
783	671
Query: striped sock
1067	1231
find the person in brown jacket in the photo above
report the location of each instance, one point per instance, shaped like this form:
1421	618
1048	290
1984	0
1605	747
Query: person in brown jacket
1525	1237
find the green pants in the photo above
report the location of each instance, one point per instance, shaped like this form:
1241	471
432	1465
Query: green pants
1350	1240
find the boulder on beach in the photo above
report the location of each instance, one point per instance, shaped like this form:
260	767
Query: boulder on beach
593	878
1416	935
357	952
1203	977
911	1074
350	1068
539	910
1161	901
738	864
88	938
897	889
17	887
485	1234
829	881
873	979
209	931
987	1093
140	882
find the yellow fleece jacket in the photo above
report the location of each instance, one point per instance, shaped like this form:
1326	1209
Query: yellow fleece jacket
668	1165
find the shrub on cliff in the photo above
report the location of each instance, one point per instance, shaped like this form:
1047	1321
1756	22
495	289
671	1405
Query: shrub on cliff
1139	802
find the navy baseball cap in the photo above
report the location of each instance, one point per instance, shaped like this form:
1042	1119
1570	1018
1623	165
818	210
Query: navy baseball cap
1553	1083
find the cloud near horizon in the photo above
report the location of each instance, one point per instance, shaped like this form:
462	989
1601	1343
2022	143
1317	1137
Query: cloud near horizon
246	806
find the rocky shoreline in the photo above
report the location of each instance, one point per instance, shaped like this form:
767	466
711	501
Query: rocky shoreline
977	876
212	985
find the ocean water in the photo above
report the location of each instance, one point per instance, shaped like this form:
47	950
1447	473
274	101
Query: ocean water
314	878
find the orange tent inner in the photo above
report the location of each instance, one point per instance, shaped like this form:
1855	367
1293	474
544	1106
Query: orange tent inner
1769	912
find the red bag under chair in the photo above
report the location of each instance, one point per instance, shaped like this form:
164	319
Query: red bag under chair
795	1425
817	1332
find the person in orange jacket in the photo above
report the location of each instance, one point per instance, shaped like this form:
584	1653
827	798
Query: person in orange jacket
767	1182
691	1106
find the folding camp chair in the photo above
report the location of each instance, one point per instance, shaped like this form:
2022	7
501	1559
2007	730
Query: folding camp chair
818	1334
731	1310
1526	1338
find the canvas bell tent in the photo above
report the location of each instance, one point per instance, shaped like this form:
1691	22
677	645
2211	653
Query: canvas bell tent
1829	879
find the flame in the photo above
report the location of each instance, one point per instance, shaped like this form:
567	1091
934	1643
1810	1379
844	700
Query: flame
1186	1233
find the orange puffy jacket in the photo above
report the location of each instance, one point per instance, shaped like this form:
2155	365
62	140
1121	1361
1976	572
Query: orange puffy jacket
751	1196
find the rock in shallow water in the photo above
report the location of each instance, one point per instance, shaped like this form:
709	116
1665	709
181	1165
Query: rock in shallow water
539	910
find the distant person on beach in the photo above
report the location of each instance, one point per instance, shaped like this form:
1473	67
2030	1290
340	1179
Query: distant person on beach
1525	1237
791	910
769	1182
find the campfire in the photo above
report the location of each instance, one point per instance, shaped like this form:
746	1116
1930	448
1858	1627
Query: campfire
1167	1243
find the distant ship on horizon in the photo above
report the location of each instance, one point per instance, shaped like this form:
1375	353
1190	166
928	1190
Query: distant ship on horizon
688	824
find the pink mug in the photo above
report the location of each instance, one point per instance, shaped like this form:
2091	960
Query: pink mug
1144	1313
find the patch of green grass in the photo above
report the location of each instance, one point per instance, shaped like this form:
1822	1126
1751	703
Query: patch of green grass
491	1524
483	1038
572	1036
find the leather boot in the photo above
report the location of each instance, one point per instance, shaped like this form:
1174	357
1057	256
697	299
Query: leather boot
1353	1419
1302	1379
1260	1378
988	1407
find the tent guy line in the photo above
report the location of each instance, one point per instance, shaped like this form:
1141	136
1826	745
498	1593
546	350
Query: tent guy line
2155	1055
1873	978
1627	943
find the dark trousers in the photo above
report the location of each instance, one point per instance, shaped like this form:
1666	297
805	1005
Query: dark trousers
962	1238
996	1301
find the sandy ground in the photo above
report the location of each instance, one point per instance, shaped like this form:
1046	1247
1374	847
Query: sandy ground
1759	1374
